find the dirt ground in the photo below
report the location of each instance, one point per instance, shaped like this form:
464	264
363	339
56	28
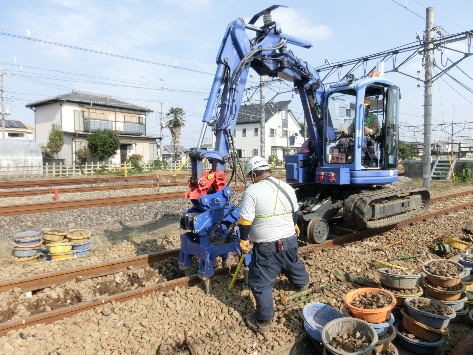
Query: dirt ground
215	322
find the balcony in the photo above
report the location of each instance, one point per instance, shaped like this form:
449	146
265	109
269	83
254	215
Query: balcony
121	127
93	125
133	128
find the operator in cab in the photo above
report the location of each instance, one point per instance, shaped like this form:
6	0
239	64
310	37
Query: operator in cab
268	219
371	135
371	123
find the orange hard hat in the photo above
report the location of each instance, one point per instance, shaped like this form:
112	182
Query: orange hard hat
373	74
367	102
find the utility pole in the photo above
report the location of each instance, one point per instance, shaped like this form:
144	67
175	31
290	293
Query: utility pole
3	103
161	150
429	56
262	122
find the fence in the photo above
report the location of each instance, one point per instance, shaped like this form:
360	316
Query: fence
57	169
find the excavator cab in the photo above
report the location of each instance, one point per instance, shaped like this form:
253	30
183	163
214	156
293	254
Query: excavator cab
360	128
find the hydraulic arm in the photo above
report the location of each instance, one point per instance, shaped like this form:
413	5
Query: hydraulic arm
212	219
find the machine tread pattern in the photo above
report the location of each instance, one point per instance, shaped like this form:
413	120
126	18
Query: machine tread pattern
355	207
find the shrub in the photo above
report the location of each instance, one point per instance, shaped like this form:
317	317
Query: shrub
160	164
103	144
55	139
81	155
466	175
273	160
135	161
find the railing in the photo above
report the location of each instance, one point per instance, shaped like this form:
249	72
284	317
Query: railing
134	128
91	125
63	170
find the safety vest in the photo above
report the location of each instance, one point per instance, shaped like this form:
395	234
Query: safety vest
261	217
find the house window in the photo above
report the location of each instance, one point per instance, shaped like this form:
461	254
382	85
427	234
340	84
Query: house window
15	135
256	132
272	132
284	133
78	120
274	152
153	152
243	132
255	152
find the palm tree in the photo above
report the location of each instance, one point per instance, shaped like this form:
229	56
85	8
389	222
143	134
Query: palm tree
174	125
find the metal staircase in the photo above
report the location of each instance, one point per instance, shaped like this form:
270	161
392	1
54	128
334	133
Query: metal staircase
441	169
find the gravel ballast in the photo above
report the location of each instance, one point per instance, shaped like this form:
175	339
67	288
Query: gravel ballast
215	323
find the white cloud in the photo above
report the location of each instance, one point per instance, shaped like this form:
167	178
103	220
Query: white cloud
295	23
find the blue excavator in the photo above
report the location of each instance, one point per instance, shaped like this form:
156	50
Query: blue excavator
344	168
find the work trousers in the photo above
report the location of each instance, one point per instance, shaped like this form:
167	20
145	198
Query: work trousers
265	266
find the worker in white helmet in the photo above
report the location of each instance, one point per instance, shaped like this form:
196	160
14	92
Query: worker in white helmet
267	219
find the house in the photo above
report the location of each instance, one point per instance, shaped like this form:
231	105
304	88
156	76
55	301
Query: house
78	114
12	129
168	153
281	134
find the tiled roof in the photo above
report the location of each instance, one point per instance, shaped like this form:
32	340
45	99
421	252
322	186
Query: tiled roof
252	113
91	99
169	149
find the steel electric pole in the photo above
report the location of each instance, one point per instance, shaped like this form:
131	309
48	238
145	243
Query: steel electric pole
3	102
161	150
429	57
262	122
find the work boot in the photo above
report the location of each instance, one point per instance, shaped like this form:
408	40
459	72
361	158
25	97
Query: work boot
256	325
302	288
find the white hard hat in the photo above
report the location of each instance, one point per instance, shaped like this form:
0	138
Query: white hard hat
256	163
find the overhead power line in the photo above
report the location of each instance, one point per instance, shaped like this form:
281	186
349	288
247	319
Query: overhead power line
104	53
99	44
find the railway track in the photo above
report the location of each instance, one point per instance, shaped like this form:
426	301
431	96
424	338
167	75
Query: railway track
34	283
22	184
50	187
36	192
16	210
88	203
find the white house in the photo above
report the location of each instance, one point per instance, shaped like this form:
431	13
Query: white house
169	155
78	114
281	131
12	129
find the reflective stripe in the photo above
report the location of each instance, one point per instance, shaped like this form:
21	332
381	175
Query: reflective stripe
261	217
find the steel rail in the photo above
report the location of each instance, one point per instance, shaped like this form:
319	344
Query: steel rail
37	282
110	267
36	192
156	183
55	206
61	313
6	184
94	270
367	233
88	203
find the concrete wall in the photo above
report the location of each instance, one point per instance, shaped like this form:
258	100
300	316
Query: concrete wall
45	116
413	168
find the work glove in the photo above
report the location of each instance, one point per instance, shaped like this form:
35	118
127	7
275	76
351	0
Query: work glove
244	246
298	231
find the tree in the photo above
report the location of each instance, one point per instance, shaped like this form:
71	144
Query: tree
404	152
81	155
174	125
103	144
55	139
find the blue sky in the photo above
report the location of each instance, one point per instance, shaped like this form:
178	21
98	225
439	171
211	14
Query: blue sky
162	52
